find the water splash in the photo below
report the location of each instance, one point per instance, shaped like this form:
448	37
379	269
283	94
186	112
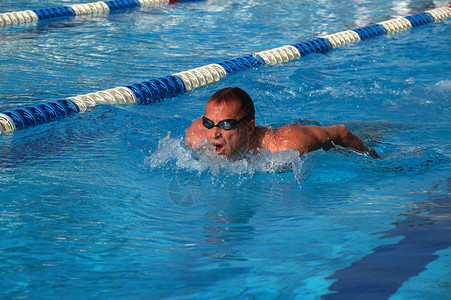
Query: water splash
172	153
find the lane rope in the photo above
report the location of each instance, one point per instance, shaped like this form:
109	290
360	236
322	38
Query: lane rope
157	89
93	8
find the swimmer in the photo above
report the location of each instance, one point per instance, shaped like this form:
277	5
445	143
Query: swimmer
228	127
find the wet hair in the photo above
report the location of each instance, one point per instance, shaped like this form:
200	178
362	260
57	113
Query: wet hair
231	94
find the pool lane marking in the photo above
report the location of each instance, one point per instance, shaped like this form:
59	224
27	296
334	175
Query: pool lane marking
93	8
157	89
378	275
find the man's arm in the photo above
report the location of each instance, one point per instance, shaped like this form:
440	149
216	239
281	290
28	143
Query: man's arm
347	139
309	138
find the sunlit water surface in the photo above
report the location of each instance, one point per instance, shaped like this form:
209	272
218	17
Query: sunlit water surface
111	204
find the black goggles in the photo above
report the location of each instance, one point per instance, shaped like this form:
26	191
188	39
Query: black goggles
228	124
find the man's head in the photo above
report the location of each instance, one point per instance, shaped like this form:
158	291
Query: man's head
229	121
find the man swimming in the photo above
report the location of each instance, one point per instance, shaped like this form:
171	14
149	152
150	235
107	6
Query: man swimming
228	127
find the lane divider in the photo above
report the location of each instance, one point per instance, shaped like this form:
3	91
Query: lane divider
93	8
155	90
342	38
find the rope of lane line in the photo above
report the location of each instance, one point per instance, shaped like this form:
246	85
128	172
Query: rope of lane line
93	8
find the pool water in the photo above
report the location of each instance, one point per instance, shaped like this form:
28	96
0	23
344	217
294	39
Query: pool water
111	204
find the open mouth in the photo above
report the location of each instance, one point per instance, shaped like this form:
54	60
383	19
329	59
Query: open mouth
219	148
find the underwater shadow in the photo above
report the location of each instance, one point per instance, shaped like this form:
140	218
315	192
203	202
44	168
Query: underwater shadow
381	273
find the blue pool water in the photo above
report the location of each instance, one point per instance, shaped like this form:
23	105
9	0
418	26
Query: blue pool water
111	204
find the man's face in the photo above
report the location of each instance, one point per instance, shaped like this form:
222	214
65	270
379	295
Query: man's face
227	142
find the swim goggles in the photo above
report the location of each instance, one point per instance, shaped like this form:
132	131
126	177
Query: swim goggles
228	124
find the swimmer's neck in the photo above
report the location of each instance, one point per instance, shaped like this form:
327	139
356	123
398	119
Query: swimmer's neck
257	137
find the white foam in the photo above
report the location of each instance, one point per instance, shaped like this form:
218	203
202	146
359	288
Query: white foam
443	86
172	151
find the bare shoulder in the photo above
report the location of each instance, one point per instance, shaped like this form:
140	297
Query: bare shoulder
286	137
301	138
195	134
